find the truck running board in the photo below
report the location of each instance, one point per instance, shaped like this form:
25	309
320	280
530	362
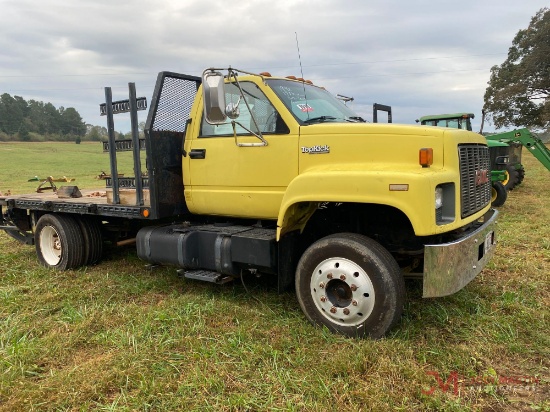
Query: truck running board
206	276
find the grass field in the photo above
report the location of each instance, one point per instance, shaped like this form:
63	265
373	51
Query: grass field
20	162
118	337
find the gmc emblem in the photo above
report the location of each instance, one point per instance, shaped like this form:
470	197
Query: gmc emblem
482	176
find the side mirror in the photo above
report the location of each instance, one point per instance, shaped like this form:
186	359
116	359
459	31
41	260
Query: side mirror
214	97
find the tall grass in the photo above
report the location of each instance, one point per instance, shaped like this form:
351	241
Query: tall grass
121	337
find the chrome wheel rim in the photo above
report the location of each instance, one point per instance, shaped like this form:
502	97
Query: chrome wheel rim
342	291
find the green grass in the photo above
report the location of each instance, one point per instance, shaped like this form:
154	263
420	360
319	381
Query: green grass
20	162
119	337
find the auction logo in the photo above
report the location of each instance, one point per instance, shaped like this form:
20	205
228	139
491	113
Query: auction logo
456	383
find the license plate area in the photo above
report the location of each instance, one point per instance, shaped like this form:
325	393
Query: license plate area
487	244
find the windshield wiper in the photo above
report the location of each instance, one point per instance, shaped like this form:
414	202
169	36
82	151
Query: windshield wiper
320	119
355	119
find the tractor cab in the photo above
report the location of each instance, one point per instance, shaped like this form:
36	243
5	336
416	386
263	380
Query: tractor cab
454	121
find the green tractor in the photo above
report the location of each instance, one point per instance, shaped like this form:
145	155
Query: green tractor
515	139
498	152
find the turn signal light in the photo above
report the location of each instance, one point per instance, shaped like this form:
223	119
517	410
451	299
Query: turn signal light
426	156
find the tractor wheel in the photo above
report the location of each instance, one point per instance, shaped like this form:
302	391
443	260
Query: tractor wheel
350	284
59	242
512	177
521	174
498	194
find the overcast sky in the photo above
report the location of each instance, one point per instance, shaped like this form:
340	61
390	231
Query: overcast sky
420	57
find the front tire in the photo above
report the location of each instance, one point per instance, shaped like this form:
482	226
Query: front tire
499	194
350	284
59	242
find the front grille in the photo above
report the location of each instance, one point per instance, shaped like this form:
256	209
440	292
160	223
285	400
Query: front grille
475	178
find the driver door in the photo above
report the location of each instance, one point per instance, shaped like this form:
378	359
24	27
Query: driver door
230	180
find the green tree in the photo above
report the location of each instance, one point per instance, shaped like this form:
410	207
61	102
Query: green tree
52	119
11	114
37	117
71	122
96	133
519	89
24	133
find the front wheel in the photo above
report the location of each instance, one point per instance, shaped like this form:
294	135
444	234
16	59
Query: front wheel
350	284
499	194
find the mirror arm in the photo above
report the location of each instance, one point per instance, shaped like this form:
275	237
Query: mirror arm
233	74
259	136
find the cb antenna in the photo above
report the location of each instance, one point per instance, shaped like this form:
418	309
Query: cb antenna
302	73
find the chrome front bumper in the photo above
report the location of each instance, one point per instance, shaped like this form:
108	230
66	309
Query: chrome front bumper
448	267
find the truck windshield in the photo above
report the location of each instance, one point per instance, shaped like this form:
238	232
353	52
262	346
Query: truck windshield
310	104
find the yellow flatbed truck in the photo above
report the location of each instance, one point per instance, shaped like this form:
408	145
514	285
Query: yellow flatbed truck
254	174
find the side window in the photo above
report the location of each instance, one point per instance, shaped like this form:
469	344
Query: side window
267	118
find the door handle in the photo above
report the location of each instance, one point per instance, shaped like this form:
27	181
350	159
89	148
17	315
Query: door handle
197	154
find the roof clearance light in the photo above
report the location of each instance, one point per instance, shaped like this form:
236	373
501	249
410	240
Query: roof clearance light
426	156
265	74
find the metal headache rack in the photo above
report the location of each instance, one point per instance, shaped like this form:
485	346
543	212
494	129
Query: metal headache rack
165	128
109	109
125	145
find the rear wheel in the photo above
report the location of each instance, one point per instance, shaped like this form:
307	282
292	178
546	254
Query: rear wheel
512	177
499	194
521	174
59	242
350	284
93	241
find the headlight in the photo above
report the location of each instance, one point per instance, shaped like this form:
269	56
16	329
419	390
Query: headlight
438	197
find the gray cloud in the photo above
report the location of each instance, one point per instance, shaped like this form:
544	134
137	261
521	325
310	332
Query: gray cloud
421	57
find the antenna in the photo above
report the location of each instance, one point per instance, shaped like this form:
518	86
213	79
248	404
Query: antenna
302	72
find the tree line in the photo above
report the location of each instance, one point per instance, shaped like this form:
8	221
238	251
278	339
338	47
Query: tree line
19	119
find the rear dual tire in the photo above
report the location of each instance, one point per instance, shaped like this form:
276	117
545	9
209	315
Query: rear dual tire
64	242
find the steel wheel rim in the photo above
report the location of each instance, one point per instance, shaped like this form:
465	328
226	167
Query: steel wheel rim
50	245
342	291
